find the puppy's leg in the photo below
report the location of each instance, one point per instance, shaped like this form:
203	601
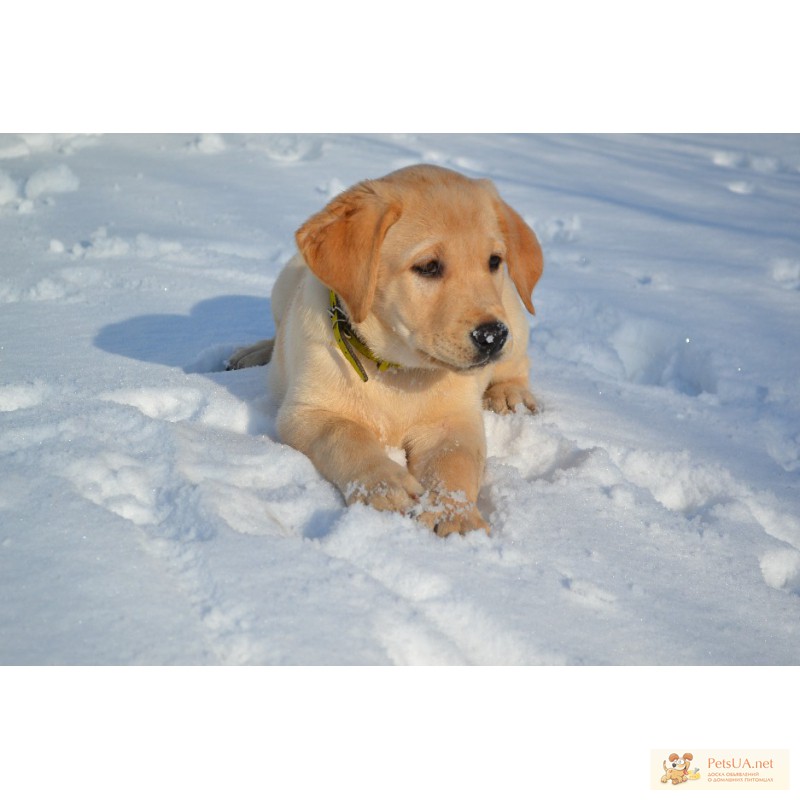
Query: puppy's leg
255	355
508	389
448	460
350	456
507	398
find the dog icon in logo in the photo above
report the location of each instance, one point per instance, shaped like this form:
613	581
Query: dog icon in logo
676	769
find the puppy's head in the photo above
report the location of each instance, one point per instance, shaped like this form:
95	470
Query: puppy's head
419	259
680	762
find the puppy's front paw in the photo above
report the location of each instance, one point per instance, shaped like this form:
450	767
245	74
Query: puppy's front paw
450	512
390	488
462	523
507	396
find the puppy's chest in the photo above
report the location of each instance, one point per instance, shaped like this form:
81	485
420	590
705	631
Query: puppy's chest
393	404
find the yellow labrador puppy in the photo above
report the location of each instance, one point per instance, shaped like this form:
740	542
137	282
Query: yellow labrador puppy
397	322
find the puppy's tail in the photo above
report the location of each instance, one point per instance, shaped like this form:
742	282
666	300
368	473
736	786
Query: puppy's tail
254	355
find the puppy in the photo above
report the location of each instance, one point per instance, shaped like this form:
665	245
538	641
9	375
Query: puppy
678	770
400	318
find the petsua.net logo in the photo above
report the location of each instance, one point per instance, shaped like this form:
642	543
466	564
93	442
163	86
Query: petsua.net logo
688	770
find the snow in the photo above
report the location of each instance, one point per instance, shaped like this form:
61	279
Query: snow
649	515
51	180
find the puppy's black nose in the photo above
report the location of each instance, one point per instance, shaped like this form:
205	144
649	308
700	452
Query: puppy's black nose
490	338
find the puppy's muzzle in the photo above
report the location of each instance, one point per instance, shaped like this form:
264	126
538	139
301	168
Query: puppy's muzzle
489	339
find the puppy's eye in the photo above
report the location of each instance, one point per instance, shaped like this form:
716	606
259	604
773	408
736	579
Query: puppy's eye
494	262
430	269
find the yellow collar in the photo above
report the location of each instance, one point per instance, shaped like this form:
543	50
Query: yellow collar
348	341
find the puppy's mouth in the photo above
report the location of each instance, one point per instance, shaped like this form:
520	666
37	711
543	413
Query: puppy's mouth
483	362
485	344
443	362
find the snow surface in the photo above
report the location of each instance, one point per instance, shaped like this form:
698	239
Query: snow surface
649	515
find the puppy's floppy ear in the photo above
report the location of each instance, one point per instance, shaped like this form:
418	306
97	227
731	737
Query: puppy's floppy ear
673	757
341	244
524	256
688	757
